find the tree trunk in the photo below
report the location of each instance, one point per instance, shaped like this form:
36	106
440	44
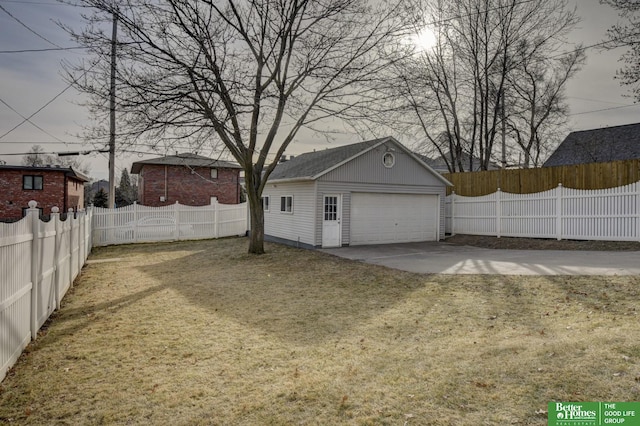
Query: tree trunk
256	212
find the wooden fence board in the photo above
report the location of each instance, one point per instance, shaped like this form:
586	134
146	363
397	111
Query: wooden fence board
528	181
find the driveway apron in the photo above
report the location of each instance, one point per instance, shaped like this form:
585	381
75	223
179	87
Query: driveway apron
444	258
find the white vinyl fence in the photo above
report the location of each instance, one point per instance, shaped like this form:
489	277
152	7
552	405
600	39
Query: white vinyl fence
38	263
137	223
562	213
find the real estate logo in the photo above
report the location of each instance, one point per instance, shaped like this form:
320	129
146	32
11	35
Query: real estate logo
573	413
594	413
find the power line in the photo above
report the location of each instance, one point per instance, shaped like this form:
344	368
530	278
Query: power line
56	3
28	28
600	44
52	49
45	105
60	153
604	109
40	109
42	143
30	122
596	100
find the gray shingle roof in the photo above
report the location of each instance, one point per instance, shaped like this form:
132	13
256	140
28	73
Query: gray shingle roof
311	164
68	171
314	164
185	159
597	146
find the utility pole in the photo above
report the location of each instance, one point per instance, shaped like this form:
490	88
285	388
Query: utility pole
504	135
112	114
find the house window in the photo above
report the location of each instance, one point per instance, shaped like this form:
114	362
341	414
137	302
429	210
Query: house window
265	203
32	182
214	173
388	159
286	204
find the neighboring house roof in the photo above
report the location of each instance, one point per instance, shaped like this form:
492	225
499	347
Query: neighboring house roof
68	171
312	165
597	146
185	159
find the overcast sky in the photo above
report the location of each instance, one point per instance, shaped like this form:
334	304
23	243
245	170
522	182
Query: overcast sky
31	80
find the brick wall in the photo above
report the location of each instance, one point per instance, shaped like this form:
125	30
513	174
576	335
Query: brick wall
13	198
188	186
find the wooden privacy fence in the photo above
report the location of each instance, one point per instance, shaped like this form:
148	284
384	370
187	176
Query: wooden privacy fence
138	223
39	262
526	181
562	213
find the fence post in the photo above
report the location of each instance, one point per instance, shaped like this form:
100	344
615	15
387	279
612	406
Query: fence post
34	217
559	212
89	229
453	213
498	212
214	202
637	210
55	217
176	212
135	221
80	217
70	219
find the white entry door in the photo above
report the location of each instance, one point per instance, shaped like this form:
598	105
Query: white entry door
331	221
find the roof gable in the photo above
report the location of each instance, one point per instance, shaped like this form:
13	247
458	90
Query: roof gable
184	159
313	165
309	165
597	146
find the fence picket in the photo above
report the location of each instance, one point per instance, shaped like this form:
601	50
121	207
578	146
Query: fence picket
562	213
36	259
137	223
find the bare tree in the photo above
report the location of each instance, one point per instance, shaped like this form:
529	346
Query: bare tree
38	157
537	108
470	84
246	73
627	36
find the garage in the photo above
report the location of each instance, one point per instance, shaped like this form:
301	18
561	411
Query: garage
384	218
371	192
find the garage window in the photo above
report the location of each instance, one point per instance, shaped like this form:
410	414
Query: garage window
286	204
265	203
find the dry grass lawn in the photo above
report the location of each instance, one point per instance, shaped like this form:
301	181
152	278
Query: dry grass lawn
201	333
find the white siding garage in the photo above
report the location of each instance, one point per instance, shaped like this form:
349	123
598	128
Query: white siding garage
393	218
372	192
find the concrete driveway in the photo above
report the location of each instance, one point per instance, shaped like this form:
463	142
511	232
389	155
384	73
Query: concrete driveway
444	258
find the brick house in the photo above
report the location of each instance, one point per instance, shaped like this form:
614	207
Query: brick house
50	186
189	179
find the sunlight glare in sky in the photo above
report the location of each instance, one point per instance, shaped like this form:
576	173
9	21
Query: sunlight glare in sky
425	39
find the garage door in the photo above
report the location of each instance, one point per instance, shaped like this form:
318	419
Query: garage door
393	218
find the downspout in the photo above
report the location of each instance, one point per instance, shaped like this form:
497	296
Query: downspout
65	193
166	192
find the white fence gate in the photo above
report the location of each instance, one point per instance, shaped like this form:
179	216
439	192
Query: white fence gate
562	213
39	261
137	223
